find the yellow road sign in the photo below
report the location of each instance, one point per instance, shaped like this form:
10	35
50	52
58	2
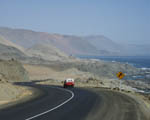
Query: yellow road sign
120	75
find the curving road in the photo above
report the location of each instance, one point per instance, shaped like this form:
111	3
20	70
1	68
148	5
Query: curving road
56	103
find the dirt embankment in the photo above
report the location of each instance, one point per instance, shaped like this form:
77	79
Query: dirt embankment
12	71
11	93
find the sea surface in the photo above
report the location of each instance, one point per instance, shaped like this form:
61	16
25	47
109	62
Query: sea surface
139	62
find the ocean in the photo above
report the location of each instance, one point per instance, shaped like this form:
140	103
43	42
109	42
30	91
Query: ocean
139	62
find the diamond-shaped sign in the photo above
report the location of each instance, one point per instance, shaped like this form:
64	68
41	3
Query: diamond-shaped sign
120	75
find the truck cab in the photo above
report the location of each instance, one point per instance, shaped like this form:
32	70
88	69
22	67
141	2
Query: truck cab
69	83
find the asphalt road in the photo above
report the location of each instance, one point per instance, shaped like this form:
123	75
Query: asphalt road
75	104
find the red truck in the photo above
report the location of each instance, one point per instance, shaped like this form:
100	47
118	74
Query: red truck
69	83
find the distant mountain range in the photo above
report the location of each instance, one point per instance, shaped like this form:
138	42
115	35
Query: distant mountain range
37	52
68	44
54	46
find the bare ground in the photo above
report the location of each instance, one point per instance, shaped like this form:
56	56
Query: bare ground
11	93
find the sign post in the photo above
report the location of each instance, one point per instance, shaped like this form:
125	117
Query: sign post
120	75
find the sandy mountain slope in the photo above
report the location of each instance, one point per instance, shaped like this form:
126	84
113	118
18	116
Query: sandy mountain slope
11	70
9	43
7	52
74	45
67	43
46	52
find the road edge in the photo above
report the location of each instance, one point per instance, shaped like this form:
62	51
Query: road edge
54	108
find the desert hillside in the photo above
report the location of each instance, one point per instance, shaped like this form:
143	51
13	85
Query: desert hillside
8	52
70	44
9	43
66	43
12	71
73	45
104	45
37	52
46	52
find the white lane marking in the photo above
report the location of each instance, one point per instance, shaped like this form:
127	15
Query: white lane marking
30	118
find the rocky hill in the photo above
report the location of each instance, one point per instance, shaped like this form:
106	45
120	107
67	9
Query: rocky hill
96	67
8	52
47	52
67	43
12	71
36	53
74	45
104	45
9	43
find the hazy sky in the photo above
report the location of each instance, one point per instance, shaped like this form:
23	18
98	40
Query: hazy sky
125	21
